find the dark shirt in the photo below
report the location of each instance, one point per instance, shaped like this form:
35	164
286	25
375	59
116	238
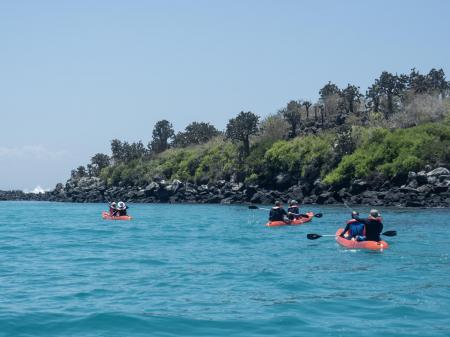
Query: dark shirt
293	211
122	212
374	227
277	214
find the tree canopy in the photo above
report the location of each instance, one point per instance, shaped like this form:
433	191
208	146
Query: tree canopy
241	128
162	134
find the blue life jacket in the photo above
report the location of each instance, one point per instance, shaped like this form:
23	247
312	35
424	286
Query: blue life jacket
356	229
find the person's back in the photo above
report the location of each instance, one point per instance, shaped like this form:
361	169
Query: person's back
373	225
112	209
122	208
277	213
354	228
293	210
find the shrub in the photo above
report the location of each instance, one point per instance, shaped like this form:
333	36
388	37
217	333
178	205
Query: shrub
395	152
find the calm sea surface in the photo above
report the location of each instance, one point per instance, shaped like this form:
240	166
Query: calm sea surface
207	270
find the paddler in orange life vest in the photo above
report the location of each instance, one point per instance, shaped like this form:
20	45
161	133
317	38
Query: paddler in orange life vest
354	230
278	213
293	210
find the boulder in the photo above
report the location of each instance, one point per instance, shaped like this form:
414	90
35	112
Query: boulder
414	203
421	178
432	180
407	189
413	183
282	180
318	187
295	193
262	198
153	186
358	186
237	187
412	175
323	198
220	183
438	172
424	189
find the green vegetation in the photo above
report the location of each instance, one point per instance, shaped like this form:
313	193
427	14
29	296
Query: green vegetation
396	152
401	124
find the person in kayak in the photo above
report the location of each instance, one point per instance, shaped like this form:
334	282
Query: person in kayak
278	213
293	210
113	209
122	208
373	225
354	228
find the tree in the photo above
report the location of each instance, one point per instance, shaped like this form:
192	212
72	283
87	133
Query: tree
98	162
135	150
417	82
391	86
328	90
350	97
162	133
124	152
241	128
307	105
116	150
80	172
195	133
373	95
330	99
292	115
437	83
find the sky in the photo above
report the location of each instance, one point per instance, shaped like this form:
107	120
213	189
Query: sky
76	74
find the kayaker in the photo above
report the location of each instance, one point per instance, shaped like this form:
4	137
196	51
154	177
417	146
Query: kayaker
122	208
293	210
373	225
113	209
354	228
278	213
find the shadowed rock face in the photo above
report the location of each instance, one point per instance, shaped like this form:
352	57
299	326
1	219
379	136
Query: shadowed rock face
421	189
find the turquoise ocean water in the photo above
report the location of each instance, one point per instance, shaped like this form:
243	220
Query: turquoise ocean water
209	270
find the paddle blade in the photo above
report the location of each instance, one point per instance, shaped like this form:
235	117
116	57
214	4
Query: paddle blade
313	236
390	233
318	215
253	207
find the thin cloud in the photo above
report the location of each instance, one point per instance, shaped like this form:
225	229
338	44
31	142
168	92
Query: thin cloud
31	151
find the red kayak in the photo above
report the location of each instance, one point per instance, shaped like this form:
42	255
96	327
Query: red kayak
107	216
299	221
353	244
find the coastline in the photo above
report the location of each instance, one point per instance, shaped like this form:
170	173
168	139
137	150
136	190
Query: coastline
421	190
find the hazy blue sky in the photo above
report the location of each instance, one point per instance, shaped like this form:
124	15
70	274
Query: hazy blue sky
75	74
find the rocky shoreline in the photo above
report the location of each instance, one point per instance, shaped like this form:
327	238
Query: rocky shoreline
419	189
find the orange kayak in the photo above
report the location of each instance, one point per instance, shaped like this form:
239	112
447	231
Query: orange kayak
299	221
107	216
353	244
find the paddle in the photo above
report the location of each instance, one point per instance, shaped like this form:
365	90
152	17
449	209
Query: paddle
256	207
345	204
314	236
318	215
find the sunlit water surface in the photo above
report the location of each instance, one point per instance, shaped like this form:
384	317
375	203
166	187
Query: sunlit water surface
210	270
